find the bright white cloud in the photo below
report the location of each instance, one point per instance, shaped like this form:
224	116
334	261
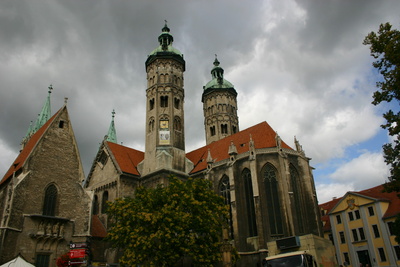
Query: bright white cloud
367	170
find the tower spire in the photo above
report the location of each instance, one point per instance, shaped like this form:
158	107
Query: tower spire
45	113
112	133
42	118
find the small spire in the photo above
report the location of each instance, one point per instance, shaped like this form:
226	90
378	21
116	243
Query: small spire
209	157
217	72
65	100
45	113
165	39
232	149
112	133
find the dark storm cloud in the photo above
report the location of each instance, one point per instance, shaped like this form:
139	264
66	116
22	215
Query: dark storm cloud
300	65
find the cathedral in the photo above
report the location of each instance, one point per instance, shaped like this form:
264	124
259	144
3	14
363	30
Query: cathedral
268	185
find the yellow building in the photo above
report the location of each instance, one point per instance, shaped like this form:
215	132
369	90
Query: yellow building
360	225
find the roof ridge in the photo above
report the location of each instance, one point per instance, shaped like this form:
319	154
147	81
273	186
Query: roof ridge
29	147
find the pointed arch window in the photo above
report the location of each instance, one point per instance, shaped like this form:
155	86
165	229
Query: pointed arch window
151	104
177	124
104	203
225	192
297	200
177	102
212	130
164	101
224	128
249	200
273	203
96	205
50	200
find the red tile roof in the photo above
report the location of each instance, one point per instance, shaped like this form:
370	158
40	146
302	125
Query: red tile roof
98	229
328	207
24	154
377	193
262	134
374	193
127	158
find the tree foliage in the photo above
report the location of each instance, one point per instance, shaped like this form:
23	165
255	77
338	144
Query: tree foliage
385	48
160	226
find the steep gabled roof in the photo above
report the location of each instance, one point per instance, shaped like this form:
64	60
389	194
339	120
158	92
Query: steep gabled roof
262	134
28	148
127	158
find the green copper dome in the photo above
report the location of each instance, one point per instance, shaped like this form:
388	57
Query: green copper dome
165	39
218	80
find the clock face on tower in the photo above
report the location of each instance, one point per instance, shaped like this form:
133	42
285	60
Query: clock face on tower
164	124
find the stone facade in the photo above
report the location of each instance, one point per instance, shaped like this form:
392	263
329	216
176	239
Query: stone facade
45	206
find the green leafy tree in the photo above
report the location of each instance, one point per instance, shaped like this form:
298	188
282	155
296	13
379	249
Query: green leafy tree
385	48
161	226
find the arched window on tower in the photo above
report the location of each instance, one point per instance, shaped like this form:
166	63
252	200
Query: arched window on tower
273	203
177	124
250	212
50	200
177	102
151	124
212	130
164	101
234	129
224	128
151	104
104	203
225	192
297	200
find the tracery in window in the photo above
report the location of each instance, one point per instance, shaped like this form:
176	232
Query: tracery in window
225	192
273	203
297	201
50	200
249	200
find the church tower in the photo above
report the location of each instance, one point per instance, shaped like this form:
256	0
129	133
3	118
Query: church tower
165	137
219	106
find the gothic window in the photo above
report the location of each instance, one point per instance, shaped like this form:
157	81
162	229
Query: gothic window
50	201
177	102
212	130
234	129
61	124
224	191
164	101
249	200
177	124
103	158
104	201
167	78
96	205
162	78
273	203
151	125
224	128
297	201
151	104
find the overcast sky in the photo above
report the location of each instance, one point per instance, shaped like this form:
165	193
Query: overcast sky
299	65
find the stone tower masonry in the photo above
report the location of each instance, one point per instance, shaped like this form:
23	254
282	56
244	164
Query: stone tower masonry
219	106
165	136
